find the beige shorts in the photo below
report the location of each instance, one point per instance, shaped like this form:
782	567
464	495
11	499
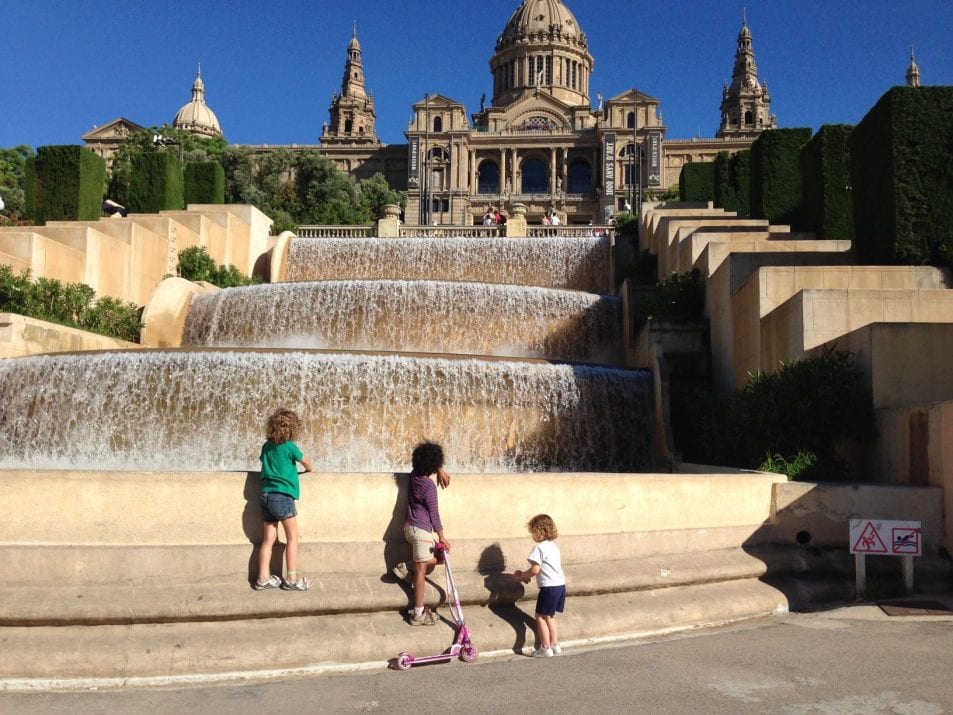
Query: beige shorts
422	540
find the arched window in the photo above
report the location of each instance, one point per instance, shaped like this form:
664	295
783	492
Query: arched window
749	118
437	124
535	177
580	177
348	125
630	120
489	181
630	168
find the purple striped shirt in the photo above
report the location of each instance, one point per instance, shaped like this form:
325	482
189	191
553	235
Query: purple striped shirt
422	510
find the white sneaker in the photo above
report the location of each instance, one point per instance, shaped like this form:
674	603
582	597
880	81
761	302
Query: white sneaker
543	653
556	649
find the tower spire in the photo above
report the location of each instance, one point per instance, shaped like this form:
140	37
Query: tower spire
745	103
913	72
352	111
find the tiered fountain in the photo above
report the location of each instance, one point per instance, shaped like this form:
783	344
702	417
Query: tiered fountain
502	349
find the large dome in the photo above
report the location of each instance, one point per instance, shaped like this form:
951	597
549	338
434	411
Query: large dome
196	116
542	47
540	18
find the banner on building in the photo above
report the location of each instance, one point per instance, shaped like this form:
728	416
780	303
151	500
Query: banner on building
608	171
654	141
413	168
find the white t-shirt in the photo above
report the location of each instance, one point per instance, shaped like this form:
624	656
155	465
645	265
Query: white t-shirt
546	554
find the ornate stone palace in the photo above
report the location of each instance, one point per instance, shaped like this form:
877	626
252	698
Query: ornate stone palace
539	141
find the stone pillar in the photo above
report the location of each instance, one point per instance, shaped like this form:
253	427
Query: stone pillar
552	170
516	222
502	170
389	225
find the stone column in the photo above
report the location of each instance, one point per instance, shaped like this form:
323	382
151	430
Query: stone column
552	170
516	223
389	225
502	170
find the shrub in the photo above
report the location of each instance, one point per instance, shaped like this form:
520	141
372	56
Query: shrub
196	265
731	179
775	175
71	304
696	182
901	167
825	176
65	183
156	183
808	406
204	183
680	297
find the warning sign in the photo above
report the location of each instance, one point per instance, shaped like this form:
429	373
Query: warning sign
869	541
886	538
906	541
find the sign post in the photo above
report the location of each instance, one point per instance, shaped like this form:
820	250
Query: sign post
884	538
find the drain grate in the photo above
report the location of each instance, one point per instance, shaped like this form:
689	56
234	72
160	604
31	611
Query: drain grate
915	608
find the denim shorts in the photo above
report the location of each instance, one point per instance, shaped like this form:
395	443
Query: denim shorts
276	506
550	600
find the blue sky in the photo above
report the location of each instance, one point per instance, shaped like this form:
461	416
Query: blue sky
270	68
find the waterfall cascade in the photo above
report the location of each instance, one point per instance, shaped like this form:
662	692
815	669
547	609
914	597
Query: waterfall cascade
377	344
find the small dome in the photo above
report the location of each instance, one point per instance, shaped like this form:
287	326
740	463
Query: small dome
196	116
534	17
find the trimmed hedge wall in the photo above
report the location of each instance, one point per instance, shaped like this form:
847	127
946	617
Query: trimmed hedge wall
901	167
204	183
696	182
156	183
732	182
825	175
66	183
29	186
776	175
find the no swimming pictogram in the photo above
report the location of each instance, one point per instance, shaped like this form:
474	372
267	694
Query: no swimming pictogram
869	541
886	537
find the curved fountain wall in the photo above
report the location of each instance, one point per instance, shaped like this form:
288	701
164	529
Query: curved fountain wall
574	263
411	316
406	360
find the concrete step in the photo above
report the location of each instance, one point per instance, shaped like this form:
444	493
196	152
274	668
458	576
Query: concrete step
187	599
118	653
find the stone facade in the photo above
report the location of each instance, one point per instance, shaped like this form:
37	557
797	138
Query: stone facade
540	141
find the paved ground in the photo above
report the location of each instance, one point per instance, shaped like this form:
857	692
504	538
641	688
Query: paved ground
849	660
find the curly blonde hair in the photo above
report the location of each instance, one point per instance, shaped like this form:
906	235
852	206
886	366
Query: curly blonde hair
283	426
542	527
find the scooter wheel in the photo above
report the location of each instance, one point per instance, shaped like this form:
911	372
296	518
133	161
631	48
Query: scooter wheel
469	653
404	661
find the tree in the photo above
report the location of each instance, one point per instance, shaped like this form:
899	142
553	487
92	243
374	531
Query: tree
12	188
376	193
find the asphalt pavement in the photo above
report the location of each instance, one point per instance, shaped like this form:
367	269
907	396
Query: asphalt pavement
856	659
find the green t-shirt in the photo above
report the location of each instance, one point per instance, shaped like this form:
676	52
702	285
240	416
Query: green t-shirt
279	468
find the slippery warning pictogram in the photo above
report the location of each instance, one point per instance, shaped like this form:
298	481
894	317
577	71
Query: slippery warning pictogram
869	541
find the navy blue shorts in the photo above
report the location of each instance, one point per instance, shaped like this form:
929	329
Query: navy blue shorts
551	599
276	507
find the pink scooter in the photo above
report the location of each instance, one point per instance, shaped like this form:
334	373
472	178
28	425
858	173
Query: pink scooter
462	647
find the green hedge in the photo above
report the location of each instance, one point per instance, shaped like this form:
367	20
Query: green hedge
901	167
204	183
67	184
696	182
776	175
29	186
156	183
825	174
732	182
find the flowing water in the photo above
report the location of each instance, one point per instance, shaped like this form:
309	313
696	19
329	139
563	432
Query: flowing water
380	343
